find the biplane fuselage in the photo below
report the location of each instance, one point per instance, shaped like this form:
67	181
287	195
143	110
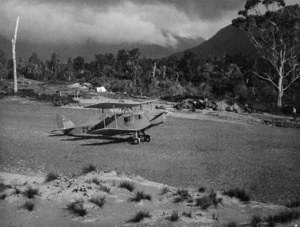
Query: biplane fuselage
133	123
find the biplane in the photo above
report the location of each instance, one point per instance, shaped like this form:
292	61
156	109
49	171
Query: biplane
126	121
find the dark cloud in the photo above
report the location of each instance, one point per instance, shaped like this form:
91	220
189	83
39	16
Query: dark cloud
117	21
204	9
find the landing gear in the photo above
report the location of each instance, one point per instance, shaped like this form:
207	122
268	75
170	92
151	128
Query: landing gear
140	137
136	140
147	138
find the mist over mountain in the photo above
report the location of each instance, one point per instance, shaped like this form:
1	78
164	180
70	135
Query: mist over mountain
230	40
89	49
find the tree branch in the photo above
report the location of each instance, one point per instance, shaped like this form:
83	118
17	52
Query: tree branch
268	78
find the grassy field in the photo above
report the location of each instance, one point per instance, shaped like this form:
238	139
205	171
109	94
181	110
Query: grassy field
183	152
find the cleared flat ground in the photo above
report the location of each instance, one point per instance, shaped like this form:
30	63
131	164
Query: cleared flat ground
183	152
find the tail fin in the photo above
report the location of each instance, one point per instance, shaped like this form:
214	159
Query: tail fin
63	123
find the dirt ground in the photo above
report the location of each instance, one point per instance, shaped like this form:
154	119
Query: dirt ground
182	153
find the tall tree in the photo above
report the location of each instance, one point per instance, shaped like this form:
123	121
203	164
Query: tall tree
34	67
53	66
275	32
78	64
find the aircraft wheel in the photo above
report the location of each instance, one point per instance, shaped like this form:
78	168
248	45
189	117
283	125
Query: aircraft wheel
147	138
136	140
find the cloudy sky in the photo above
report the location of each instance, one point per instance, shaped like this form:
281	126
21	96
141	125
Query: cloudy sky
116	21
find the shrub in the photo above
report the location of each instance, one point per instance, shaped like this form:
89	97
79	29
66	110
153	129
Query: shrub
51	177
255	220
139	216
104	188
28	205
174	216
203	202
213	196
187	214
284	216
201	189
88	169
98	200
17	191
295	203
140	196
96	181
238	193
30	192
77	208
3	196
164	190
128	185
183	194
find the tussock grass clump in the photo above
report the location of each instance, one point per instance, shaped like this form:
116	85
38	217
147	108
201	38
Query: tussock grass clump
231	224
201	189
164	191
139	216
174	216
207	201
187	214
203	202
292	204
96	181
17	191
127	185
28	205
30	192
213	196
98	200
183	194
140	196
241	194
284	216
104	188
77	208
2	187
88	169
3	196
51	176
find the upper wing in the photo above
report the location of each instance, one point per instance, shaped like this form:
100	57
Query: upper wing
111	105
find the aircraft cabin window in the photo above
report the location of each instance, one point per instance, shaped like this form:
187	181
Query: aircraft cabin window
127	119
137	117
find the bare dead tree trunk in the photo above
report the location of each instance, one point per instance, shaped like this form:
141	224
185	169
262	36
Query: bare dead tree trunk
164	72
14	40
154	70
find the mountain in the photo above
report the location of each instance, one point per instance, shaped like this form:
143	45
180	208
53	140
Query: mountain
229	40
89	49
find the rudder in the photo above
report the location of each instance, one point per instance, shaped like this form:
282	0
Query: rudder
63	123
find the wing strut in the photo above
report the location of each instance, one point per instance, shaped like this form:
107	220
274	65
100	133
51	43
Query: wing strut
115	117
